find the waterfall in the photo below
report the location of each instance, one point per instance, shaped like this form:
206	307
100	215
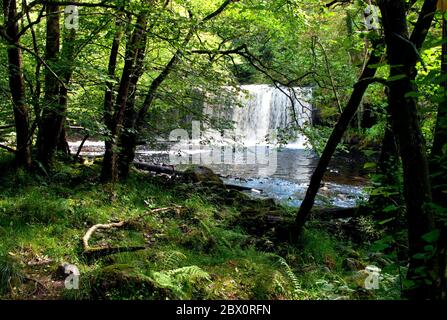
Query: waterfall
260	109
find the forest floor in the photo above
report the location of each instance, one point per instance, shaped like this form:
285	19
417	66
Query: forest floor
206	243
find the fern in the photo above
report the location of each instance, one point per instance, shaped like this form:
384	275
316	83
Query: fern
189	273
218	237
180	281
170	259
293	278
291	275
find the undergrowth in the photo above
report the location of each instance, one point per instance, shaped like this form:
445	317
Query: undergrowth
201	254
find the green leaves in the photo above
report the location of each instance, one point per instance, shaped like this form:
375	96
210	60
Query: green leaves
397	77
432	236
369	165
382	244
413	94
387	220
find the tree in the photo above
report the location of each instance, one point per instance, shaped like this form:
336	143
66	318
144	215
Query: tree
119	159
135	45
53	112
17	85
345	118
402	56
438	162
66	65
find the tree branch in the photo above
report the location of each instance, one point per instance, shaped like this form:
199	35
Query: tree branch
2	146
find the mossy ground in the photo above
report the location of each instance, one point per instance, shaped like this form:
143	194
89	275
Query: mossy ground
203	253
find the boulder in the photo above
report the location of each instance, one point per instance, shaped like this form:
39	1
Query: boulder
201	174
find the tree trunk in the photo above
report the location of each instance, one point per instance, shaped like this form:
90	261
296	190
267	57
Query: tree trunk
137	119
62	144
440	136
52	112
110	172
131	141
438	164
335	138
402	59
107	174
67	62
128	138
17	87
387	164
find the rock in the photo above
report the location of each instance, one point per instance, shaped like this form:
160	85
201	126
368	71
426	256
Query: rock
268	203
326	269
358	279
237	195
123	279
351	264
202	174
256	219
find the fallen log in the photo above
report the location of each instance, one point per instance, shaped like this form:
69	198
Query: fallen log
171	171
2	146
7	126
157	168
95	252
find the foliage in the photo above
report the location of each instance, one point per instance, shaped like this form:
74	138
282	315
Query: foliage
197	255
194	61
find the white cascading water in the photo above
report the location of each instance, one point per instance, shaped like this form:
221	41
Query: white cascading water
265	108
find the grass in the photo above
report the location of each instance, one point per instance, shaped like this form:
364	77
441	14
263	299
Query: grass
202	254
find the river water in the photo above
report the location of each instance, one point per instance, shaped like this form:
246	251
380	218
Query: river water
247	159
343	185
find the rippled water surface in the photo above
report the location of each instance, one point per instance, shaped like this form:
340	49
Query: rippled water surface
343	185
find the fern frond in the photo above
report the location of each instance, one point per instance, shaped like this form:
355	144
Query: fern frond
291	275
170	259
189	273
293	278
180	281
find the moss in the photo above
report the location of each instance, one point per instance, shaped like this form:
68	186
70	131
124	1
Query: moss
121	281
